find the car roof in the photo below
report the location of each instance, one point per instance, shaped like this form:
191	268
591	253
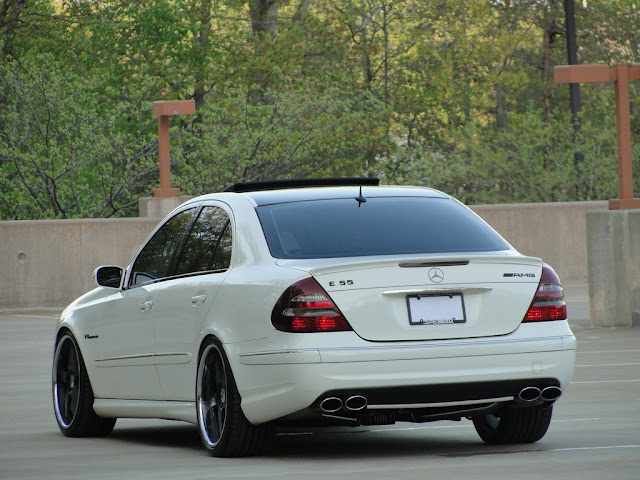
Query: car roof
300	190
269	197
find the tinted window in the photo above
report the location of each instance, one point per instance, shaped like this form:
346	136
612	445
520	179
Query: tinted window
156	258
381	226
208	245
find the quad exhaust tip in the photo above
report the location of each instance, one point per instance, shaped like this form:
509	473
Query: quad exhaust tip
355	403
533	394
334	404
550	393
331	404
529	394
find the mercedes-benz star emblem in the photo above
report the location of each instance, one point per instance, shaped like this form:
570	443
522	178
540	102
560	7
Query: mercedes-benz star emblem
436	275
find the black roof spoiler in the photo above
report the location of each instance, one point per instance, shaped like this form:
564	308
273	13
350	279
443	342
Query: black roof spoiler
303	183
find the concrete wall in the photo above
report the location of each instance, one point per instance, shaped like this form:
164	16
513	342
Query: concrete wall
613	253
48	263
555	232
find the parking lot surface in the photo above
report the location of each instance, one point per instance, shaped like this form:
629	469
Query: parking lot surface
595	432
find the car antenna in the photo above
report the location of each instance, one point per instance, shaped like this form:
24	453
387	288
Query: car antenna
360	198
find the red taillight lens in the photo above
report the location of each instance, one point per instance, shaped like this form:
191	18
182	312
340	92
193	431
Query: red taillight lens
305	307
548	303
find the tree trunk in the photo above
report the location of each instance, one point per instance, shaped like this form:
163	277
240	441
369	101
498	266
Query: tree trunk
201	16
9	20
264	22
301	12
551	29
501	111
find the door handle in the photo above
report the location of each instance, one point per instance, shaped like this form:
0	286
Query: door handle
144	306
198	300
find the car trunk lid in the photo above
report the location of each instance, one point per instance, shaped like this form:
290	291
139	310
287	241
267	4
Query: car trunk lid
431	297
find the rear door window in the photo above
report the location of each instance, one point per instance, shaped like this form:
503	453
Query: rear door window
208	245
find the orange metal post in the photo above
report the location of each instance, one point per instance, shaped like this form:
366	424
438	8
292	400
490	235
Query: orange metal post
581	73
620	74
623	126
163	151
164	110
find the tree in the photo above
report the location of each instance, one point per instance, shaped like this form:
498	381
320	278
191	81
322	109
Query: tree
456	95
62	157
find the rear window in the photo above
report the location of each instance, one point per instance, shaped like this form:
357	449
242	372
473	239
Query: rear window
381	226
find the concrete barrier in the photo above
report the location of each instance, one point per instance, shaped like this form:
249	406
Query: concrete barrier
555	232
613	261
48	263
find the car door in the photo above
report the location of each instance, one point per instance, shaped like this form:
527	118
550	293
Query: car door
123	343
124	362
182	302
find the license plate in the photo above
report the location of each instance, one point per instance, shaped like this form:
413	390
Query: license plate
436	309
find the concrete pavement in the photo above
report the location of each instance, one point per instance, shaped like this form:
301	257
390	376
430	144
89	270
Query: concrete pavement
595	433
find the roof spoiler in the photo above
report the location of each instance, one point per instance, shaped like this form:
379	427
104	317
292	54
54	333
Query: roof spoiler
303	183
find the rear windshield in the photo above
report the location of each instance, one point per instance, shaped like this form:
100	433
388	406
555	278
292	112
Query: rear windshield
381	226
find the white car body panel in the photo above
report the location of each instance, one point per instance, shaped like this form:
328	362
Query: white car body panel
120	408
179	310
276	383
116	336
376	301
293	377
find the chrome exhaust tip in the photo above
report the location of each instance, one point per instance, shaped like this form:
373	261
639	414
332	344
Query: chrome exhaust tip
331	404
355	403
550	393
529	394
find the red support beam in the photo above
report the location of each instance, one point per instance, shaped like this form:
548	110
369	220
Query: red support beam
163	110
620	74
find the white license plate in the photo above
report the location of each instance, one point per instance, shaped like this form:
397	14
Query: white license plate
436	309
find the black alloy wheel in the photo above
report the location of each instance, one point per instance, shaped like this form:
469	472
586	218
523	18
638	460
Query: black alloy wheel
212	396
224	430
72	393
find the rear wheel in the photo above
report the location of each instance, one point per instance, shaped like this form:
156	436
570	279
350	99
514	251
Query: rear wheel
72	393
224	430
513	425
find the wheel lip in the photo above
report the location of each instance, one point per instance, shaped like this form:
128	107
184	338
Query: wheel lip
54	381
204	434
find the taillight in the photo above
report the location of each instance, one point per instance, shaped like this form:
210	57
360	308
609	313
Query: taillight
306	307
548	303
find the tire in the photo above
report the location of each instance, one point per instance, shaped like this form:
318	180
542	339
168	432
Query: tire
513	425
72	393
224	430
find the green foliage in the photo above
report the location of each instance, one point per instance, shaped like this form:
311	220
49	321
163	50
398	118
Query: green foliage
456	95
301	133
60	156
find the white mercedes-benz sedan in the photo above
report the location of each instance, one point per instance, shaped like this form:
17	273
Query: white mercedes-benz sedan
320	302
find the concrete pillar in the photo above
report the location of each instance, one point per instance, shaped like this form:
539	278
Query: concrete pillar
613	264
159	207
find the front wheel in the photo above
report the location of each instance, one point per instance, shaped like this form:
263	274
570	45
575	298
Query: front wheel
513	425
224	430
72	393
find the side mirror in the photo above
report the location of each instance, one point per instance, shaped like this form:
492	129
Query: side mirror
108	276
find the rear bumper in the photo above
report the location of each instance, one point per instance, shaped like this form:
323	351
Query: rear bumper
275	383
